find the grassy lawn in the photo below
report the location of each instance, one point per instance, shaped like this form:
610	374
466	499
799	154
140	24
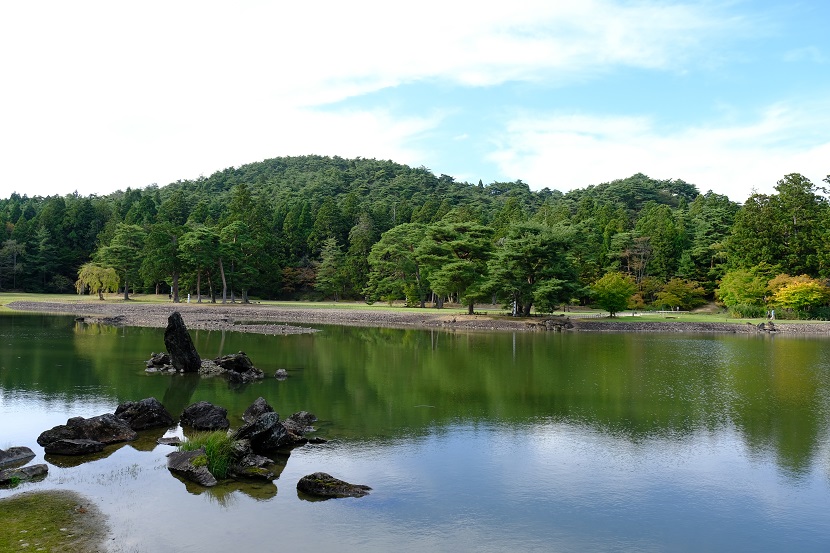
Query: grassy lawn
50	521
6	298
709	316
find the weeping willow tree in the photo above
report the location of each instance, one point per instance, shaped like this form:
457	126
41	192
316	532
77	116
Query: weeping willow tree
96	279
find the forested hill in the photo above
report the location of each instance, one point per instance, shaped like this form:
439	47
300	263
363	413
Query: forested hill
308	226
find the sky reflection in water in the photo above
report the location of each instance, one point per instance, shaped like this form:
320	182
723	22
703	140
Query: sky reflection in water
483	442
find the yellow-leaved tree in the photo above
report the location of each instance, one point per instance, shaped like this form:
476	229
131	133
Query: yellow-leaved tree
97	279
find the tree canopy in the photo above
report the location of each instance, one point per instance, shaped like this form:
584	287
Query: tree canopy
404	233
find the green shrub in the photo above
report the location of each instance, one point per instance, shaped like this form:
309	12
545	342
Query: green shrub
219	451
746	311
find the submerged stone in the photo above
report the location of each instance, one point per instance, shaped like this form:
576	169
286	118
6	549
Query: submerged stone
324	485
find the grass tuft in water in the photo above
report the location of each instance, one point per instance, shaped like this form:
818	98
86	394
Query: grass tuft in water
219	451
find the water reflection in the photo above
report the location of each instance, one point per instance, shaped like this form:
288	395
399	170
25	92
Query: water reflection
511	441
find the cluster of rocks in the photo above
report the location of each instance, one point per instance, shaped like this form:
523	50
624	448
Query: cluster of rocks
12	469
555	325
236	367
182	357
262	434
82	436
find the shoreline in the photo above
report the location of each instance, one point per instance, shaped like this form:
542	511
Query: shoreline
281	320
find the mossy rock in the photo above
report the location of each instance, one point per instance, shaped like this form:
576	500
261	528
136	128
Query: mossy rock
324	485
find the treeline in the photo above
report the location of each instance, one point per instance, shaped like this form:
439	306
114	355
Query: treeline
315	227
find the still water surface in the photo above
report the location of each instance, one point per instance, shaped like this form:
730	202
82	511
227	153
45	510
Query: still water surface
471	442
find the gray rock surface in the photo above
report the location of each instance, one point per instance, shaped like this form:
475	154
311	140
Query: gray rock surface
107	429
66	446
237	362
183	354
10	477
257	408
15	455
203	415
324	485
265	433
255	467
144	414
182	463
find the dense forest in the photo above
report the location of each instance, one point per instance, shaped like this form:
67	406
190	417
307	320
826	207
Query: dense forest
315	227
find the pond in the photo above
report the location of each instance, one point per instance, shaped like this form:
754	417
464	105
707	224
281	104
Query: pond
471	442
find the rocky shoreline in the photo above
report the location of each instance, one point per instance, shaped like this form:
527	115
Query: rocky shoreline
282	320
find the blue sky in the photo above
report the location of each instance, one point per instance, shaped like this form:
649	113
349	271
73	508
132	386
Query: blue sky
728	95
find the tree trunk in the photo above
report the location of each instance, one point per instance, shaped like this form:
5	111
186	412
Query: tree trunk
526	310
198	286
176	288
126	289
245	296
470	309
224	282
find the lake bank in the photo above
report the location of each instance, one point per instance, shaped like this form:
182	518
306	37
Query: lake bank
52	520
280	319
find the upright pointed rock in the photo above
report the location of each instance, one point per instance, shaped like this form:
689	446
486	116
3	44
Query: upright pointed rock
183	354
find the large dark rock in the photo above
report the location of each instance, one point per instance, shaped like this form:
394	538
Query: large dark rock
107	429
237	362
265	434
257	408
239	368
203	415
255	467
81	446
324	485
297	425
158	360
15	455
191	465
11	477
144	414
183	354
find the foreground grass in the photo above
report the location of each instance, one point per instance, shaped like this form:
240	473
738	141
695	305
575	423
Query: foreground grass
57	521
219	451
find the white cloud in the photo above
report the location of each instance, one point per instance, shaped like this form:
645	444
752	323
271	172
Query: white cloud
101	95
573	151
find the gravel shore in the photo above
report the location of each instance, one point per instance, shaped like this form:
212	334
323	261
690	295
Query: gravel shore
279	319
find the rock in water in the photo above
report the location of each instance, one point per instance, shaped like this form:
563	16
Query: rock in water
11	477
107	429
321	484
183	354
256	409
15	455
191	465
265	433
238	362
81	446
239	368
203	415
144	414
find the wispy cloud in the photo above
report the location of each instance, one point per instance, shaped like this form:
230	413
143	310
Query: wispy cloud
808	53
572	151
117	94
